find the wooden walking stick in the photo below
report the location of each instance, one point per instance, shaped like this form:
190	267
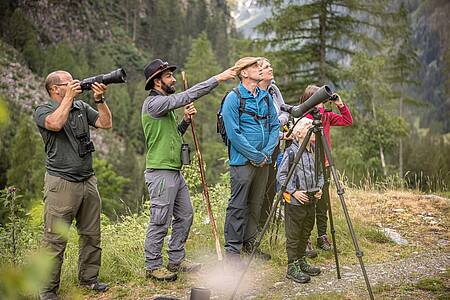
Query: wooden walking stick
203	178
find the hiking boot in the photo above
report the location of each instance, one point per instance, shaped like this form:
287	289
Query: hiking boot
307	268
161	274
247	248
185	266
310	252
295	273
96	286
323	243
234	262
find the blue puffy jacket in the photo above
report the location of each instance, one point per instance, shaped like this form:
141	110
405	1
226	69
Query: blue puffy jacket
250	139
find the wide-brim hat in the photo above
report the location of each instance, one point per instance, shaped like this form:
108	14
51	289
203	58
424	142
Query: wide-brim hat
153	69
245	62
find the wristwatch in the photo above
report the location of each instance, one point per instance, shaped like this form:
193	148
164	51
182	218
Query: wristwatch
102	100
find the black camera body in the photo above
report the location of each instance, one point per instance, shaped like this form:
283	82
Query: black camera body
117	76
85	145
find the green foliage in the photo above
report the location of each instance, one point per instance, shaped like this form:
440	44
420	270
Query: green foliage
14	234
26	157
202	64
310	39
110	186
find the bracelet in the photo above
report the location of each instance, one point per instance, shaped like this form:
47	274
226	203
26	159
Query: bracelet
102	100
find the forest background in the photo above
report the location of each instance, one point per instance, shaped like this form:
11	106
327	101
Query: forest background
388	59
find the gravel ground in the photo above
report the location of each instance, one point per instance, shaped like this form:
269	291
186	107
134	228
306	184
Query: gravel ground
404	271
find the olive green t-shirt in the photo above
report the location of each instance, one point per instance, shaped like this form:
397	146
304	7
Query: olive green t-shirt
62	147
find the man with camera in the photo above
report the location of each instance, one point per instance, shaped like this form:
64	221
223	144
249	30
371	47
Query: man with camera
70	187
252	126
169	195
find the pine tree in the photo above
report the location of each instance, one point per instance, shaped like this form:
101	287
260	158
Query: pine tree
403	64
309	41
201	64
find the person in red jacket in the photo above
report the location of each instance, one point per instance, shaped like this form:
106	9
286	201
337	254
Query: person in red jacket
329	119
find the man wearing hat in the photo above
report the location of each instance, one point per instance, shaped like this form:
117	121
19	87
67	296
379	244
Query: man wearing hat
169	195
252	127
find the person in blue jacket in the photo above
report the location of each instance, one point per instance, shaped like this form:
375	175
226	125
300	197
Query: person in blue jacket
252	127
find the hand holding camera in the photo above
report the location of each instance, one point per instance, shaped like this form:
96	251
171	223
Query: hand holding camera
99	89
73	89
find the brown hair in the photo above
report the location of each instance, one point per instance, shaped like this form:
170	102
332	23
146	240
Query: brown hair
309	91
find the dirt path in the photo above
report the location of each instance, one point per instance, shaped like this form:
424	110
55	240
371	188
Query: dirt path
404	271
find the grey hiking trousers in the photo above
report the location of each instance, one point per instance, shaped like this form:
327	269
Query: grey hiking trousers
248	185
169	203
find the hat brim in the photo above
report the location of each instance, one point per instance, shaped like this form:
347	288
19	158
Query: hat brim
240	68
149	80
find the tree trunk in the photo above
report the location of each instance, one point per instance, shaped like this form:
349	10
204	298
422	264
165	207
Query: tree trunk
383	162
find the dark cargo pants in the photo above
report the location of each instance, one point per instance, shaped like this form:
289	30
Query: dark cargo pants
322	206
269	195
248	185
299	224
65	201
169	197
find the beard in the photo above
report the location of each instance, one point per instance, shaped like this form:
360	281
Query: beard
168	89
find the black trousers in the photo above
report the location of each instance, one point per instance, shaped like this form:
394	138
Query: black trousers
322	206
299	224
270	192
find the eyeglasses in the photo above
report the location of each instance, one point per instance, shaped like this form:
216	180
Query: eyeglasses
61	84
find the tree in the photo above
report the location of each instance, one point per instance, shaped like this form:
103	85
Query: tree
26	157
309	41
201	64
402	64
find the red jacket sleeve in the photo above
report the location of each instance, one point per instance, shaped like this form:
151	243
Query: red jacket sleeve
343	119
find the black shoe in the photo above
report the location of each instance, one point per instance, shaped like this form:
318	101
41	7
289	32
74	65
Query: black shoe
295	273
247	248
310	252
307	268
234	261
161	274
323	243
185	266
96	286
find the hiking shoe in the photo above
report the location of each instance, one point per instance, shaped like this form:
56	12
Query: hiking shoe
323	243
307	268
247	248
234	261
161	274
295	273
185	266
96	286
310	252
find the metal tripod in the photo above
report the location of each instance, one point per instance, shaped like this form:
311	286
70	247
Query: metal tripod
317	129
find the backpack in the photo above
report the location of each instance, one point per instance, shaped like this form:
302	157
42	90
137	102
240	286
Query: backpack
220	123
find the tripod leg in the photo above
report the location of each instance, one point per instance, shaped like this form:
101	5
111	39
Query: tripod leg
340	192
273	209
326	194
333	237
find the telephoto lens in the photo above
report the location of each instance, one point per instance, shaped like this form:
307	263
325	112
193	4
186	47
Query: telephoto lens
116	76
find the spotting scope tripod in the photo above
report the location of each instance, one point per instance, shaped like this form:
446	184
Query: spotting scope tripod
317	129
